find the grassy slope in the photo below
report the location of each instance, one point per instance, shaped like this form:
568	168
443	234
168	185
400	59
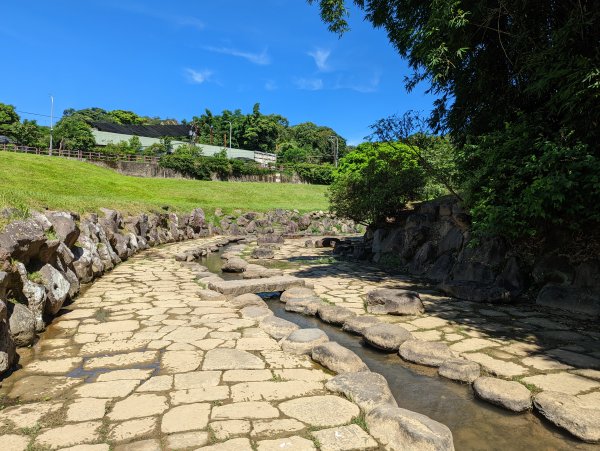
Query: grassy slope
42	182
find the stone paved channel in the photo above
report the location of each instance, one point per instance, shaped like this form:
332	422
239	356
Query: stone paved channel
143	361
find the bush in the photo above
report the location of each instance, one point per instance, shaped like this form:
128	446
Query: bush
186	160
376	181
315	174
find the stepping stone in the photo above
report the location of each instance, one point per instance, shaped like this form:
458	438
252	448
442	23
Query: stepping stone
393	426
267	285
394	302
358	324
302	341
256	313
569	412
508	394
296	443
320	411
231	359
425	352
298	293
244	300
460	370
335	315
277	328
304	306
367	389
338	358
387	337
344	438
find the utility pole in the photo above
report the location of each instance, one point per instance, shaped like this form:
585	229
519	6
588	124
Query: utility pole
336	149
51	118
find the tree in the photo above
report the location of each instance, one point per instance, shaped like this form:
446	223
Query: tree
127	117
8	118
74	134
375	182
26	133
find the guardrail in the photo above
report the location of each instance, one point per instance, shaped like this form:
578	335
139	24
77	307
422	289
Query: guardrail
78	154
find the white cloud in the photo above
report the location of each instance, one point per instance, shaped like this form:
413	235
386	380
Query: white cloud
321	56
198	77
309	84
271	85
261	59
364	87
187	21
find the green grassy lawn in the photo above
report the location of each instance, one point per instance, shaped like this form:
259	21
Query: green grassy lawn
38	182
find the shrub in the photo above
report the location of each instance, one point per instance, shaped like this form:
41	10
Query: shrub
316	174
376	181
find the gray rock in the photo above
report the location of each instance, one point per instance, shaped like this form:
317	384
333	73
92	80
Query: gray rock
387	337
394	302
425	352
358	324
263	253
266	285
577	300
35	295
247	299
65	228
7	345
278	328
304	306
235	265
508	394
255	312
402	430
337	358
302	341
297	293
57	288
22	325
21	240
568	412
333	314
365	388
460	370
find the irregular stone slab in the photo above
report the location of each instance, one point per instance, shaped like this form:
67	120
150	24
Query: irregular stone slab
101	447
277	328
27	415
244	410
121	360
186	440
569	412
236	444
57	366
138	406
430	322
185	334
244	300
562	382
320	411
119	375
267	285
508	394
387	337
575	358
544	363
188	417
256	313
113	347
37	387
367	389
338	358
272	391
197	379
14	442
143	445
231	359
227	429
298	293
109	327
296	443
202	394
344	438
304	306
86	409
358	324
132	429
394	302
425	352
302	341
496	366
473	344
269	428
71	434
400	429
256	344
180	361
335	315
460	370
247	375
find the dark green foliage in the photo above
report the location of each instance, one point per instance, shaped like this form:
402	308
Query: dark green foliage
315	174
187	161
8	118
27	133
72	133
375	182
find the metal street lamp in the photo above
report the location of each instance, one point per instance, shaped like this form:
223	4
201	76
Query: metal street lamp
336	149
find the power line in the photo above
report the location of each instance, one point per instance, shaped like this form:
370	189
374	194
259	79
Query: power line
33	114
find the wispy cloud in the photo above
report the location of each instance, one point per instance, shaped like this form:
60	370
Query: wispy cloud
262	58
270	85
321	56
309	84
198	77
369	86
178	20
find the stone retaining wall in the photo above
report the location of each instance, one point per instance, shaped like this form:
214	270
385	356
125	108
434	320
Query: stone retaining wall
45	259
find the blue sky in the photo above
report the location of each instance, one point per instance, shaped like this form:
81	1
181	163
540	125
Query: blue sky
174	59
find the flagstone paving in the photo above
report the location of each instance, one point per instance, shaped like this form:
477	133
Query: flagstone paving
141	362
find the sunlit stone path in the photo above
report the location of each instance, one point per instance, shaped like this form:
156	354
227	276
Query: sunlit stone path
145	360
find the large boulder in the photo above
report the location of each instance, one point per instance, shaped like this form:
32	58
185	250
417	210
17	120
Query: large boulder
358	324
278	328
368	390
302	341
36	297
22	325
334	314
402	430
64	227
394	302
57	288
235	265
460	370
425	352
262	252
573	299
308	306
569	412
297	293
7	345
337	358
508	394
247	299
387	337
21	240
